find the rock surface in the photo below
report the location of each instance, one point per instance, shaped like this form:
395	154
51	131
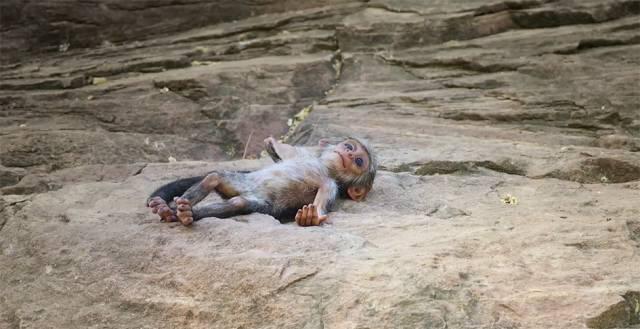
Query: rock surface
508	132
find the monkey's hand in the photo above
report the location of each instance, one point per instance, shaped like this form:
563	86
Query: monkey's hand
270	146
309	216
279	151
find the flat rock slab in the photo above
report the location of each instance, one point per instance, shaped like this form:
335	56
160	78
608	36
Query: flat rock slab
508	135
91	255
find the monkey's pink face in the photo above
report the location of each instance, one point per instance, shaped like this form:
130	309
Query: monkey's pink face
351	157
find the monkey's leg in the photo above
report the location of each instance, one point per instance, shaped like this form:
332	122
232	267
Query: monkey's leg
228	208
159	200
220	183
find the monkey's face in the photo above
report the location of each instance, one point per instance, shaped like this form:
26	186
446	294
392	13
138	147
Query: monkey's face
351	158
349	163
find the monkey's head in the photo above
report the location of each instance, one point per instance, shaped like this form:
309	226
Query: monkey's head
353	164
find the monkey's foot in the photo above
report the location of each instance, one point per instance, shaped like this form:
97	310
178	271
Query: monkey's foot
159	206
184	212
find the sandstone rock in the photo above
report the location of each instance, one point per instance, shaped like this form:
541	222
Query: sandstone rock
466	102
11	176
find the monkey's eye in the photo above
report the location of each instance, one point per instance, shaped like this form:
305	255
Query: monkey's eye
359	162
348	146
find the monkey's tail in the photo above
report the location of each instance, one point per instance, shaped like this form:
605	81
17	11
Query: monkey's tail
176	188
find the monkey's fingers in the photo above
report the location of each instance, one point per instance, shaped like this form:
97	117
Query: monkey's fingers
303	216
299	217
317	217
315	221
312	215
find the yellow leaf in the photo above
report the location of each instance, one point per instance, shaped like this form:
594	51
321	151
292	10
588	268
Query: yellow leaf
98	80
509	199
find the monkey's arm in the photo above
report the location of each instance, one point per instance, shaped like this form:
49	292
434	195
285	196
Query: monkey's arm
316	213
279	151
326	196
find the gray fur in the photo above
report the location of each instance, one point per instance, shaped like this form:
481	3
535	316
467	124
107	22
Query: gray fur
279	189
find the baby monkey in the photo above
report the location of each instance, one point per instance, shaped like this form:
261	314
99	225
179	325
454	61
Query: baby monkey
302	184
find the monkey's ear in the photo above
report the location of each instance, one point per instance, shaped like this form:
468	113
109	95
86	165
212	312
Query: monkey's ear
357	193
323	142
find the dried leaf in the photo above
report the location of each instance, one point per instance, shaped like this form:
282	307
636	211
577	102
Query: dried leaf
509	199
98	80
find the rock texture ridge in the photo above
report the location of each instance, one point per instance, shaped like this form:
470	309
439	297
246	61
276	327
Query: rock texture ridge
508	134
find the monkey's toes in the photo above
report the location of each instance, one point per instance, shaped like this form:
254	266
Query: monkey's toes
182	201
185	217
186	221
166	214
184	206
159	206
155	201
183	211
